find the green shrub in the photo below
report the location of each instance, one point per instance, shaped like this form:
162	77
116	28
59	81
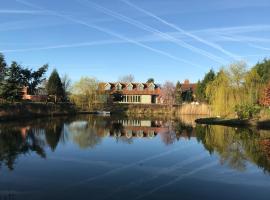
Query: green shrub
247	111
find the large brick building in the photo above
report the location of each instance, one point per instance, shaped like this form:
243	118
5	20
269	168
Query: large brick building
140	93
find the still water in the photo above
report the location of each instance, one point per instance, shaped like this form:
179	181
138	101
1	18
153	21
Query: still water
91	157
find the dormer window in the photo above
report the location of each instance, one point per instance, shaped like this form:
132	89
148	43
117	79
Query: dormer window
129	86
107	86
118	86
140	87
151	87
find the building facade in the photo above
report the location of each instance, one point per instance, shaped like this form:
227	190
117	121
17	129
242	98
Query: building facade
40	95
135	93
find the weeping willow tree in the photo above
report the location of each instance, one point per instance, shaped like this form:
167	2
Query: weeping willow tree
253	86
228	89
218	93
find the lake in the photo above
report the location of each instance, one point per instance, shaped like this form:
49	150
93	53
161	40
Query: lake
95	157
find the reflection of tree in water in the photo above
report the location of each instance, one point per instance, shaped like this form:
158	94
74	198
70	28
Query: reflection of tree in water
183	130
235	146
85	136
174	131
13	143
24	138
53	134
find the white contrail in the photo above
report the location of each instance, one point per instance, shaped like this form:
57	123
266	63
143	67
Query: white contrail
241	38
31	12
178	179
215	46
165	171
104	30
259	47
154	31
254	55
61	46
113	171
235	29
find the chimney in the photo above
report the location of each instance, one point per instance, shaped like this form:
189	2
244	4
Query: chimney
186	82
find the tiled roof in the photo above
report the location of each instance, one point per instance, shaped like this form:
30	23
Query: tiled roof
188	86
135	90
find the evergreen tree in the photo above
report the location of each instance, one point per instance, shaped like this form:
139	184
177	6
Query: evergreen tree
200	91
178	93
36	78
201	85
263	70
55	86
11	87
150	80
3	67
187	96
31	79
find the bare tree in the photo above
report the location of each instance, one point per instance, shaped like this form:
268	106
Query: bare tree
84	93
66	82
126	78
168	93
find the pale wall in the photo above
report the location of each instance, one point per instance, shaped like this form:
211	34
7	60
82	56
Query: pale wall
145	99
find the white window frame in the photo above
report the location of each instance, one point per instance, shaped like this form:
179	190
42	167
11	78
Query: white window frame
106	86
116	86
129	87
151	87
140	87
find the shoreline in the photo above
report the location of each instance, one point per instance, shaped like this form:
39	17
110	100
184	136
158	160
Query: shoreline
18	111
25	111
259	124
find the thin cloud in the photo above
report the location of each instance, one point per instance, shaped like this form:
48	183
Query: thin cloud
254	55
104	30
62	46
31	12
236	29
240	38
27	24
215	46
259	47
154	31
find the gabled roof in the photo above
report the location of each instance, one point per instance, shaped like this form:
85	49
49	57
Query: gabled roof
135	88
188	86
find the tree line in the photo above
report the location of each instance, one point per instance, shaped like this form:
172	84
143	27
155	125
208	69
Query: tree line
15	77
233	90
236	90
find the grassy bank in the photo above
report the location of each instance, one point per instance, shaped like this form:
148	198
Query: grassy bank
13	111
260	124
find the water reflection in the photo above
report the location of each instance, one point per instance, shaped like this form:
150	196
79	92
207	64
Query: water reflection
235	147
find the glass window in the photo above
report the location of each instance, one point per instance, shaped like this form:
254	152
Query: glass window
130	87
140	87
118	87
151	87
108	87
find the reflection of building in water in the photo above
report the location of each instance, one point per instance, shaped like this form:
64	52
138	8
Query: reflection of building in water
136	128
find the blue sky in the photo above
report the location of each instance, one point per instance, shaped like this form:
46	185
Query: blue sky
164	39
